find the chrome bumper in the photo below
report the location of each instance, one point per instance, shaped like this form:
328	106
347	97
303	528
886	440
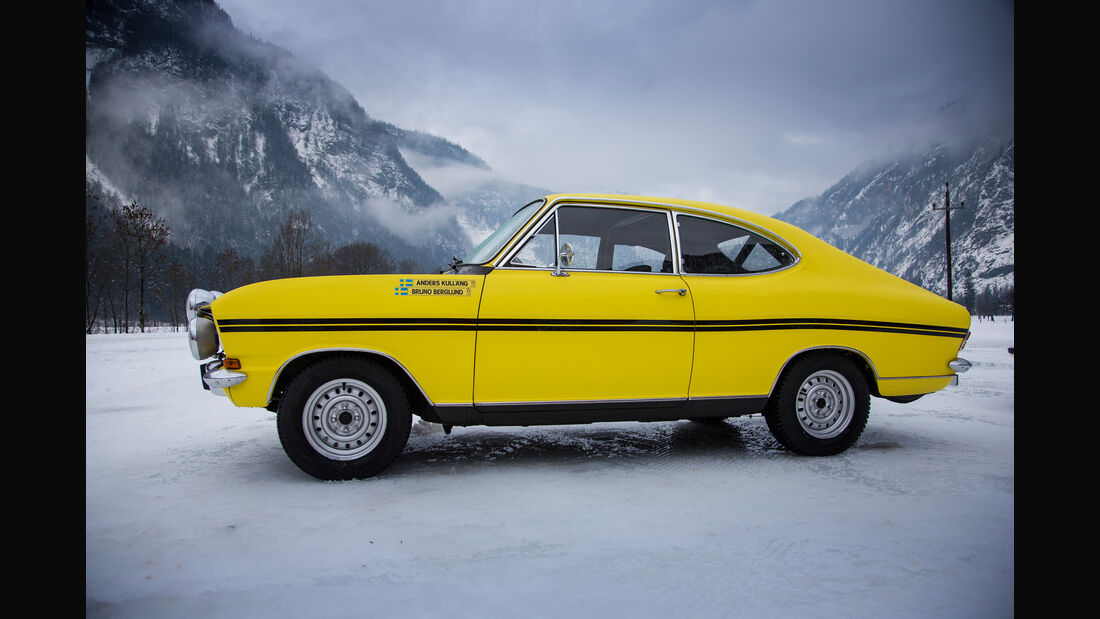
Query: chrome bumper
959	365
217	379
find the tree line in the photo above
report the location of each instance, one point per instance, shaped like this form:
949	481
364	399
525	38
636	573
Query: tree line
136	278
989	301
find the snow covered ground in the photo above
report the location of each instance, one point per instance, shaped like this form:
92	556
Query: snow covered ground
193	510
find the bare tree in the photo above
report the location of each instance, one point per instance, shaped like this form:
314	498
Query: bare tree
178	286
143	236
294	249
407	265
233	270
360	258
95	258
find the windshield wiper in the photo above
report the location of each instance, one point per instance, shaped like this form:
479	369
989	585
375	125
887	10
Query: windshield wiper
474	267
456	263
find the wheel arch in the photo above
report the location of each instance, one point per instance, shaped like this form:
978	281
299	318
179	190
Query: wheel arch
858	358
418	399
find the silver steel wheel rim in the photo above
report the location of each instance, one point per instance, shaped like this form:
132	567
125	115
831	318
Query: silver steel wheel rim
825	404
344	419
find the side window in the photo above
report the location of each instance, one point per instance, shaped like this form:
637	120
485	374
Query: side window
612	239
714	247
602	239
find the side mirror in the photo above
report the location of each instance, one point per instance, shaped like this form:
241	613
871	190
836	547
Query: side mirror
565	258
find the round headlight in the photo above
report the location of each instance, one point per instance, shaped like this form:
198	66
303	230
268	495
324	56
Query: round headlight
199	298
203	337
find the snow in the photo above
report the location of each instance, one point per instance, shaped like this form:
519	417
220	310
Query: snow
193	510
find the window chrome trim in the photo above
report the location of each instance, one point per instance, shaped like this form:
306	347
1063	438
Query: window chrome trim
619	205
686	210
673	211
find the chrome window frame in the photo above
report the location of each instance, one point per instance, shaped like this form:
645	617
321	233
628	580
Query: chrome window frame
523	239
742	225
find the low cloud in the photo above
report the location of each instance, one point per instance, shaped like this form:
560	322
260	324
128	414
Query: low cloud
422	227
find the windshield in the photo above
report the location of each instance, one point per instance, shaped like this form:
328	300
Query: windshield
495	241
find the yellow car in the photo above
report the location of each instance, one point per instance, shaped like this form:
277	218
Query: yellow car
583	308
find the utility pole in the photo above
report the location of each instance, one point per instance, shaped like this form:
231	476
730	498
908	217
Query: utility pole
947	208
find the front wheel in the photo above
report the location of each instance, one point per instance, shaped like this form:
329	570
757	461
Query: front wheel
820	407
344	418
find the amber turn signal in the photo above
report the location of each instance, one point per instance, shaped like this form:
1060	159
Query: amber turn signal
231	364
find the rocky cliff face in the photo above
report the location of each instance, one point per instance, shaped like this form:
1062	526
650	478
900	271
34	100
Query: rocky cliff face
223	135
882	212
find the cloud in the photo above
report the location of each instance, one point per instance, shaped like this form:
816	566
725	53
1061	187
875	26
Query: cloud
650	94
799	138
423	227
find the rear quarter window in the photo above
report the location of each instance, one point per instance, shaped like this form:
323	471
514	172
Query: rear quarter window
711	247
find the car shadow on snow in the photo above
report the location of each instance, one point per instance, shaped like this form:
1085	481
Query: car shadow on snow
656	444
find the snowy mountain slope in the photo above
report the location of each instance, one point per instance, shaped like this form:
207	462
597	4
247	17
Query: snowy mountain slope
882	213
223	134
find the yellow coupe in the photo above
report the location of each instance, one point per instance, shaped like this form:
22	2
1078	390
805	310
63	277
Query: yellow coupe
582	308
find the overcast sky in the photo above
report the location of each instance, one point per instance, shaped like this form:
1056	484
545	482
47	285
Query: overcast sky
746	103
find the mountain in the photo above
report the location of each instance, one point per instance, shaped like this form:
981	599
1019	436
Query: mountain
882	212
223	135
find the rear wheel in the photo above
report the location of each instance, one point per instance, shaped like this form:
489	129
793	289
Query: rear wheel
820	406
344	418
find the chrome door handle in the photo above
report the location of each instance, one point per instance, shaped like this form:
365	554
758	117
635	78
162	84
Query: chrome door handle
680	291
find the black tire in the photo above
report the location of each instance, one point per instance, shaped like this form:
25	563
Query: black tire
358	415
820	406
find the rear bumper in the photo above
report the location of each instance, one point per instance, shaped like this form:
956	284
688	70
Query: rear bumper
959	365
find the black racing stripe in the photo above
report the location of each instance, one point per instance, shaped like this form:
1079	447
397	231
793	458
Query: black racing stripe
390	327
342	321
777	327
584	322
549	324
830	321
576	327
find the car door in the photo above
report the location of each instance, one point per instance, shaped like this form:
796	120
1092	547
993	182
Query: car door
611	323
744	302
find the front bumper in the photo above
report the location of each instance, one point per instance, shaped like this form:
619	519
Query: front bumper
217	379
202	336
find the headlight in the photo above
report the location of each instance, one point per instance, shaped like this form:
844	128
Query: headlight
203	337
199	298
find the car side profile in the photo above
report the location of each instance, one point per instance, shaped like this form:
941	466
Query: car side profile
582	308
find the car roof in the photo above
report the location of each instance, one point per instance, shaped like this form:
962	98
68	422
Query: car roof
774	227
